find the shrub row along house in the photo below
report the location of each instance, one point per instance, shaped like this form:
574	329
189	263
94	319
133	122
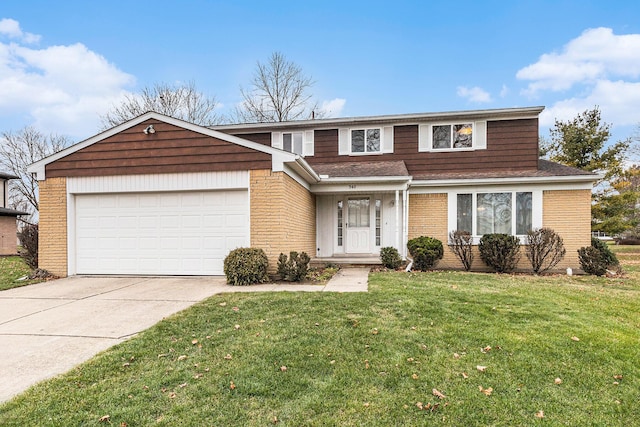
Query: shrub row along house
157	195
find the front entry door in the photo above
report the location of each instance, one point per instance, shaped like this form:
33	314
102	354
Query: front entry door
358	225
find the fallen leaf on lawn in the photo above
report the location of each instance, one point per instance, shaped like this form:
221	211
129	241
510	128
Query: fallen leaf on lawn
228	357
414	376
558	381
183	385
196	376
162	355
182	357
617	377
366	364
283	368
419	405
438	394
123	424
194	341
146	387
575	339
487	349
235	309
105	418
481	368
410	359
126	364
172	395
237	326
486	391
274	420
456	356
413	328
616	383
222	304
375	331
366	404
464	375
540	414
332	362
232	386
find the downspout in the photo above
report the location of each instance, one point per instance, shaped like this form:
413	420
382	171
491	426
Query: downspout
405	226
397	201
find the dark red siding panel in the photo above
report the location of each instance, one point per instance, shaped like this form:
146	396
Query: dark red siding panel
170	150
260	138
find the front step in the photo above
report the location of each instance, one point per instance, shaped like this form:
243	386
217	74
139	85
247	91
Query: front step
347	261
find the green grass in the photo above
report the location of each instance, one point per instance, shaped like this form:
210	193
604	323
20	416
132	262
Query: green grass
368	359
11	269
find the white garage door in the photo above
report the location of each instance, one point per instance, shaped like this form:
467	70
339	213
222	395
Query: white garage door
173	233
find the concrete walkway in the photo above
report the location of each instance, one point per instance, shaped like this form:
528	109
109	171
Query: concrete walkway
50	327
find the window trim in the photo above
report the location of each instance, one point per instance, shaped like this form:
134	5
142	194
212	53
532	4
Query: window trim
308	143
478	139
386	141
365	152
536	208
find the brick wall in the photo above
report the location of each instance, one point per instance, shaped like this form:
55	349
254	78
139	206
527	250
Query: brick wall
52	231
8	237
283	215
568	212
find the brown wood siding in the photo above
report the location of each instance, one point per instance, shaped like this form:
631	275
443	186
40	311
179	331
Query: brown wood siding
170	150
511	145
261	138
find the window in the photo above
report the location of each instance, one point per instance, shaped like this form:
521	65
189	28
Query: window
488	213
453	136
340	223
378	228
292	142
358	213
365	140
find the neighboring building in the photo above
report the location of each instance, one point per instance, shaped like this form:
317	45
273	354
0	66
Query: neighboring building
157	195
8	216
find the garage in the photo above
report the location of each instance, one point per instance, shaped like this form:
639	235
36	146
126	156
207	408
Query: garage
159	233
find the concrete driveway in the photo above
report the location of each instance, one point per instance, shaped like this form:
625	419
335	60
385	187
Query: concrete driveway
48	328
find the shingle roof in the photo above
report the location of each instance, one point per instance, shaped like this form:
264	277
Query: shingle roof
546	169
362	169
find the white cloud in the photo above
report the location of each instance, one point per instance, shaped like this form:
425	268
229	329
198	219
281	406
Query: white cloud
595	55
618	101
474	94
333	108
64	89
504	91
11	28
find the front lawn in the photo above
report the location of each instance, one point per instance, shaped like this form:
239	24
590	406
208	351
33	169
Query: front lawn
500	350
13	268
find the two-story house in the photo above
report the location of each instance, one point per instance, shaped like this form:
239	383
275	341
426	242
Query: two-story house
8	216
157	195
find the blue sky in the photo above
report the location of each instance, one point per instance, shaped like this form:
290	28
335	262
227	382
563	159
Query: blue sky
63	64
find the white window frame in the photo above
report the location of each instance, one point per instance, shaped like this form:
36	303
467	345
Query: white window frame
536	209
478	138
386	141
277	141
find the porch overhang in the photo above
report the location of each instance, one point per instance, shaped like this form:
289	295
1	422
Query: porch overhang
361	185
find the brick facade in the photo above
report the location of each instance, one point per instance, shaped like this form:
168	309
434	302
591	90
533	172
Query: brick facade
283	215
568	212
52	231
8	236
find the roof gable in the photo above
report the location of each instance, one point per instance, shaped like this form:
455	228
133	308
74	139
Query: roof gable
197	144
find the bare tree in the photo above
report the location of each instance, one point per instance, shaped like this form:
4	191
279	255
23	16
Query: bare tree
17	151
279	93
182	101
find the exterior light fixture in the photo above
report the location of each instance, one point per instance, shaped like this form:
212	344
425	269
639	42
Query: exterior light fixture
149	129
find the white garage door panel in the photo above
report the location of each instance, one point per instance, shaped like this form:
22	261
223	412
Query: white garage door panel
159	233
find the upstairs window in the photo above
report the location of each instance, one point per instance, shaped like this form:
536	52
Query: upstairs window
362	141
292	142
365	140
452	136
455	136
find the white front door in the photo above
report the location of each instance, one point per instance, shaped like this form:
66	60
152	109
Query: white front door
358	225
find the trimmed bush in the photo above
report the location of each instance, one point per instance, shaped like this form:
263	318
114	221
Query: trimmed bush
461	244
295	268
597	258
246	266
29	241
499	251
390	257
544	250
425	251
